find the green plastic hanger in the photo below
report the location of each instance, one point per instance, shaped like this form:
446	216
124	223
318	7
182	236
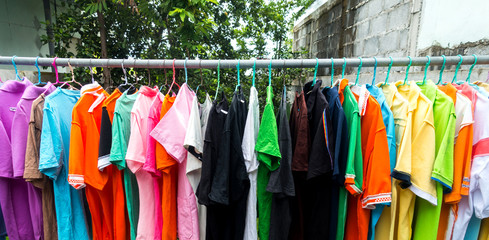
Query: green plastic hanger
238	85
343	70
386	82
332	71
254	72
425	71
456	70
407	71
359	68
442	69
315	71
218	77
375	71
471	67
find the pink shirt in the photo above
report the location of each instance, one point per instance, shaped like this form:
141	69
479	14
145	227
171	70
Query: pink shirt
170	132
136	157
150	163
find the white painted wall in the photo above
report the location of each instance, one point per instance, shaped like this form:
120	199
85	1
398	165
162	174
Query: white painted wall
451	22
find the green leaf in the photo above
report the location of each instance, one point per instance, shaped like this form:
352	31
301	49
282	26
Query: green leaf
182	16
105	4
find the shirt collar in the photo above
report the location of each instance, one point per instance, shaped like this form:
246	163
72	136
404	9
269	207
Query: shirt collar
150	92
413	92
16	86
311	95
429	90
33	91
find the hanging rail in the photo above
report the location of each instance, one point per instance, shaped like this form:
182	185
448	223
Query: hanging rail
276	63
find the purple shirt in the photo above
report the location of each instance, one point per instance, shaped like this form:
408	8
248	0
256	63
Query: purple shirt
13	191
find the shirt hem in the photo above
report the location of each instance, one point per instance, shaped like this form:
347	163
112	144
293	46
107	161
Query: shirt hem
403	177
103	162
370	201
424	195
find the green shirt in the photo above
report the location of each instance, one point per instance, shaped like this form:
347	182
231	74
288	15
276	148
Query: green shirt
428	215
121	130
268	153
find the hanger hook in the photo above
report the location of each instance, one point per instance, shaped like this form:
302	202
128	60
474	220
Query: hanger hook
71	69
388	71
15	67
442	69
426	68
91	71
344	67
471	68
407	70
254	72
173	67
332	71
124	71
270	73
237	67
359	69
185	66
315	72
218	77
38	71
457	68
375	71
55	69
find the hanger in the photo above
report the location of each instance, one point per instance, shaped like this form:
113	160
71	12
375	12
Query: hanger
442	68
218	78
425	71
238	85
254	72
201	80
456	70
359	68
332	72
407	72
15	67
315	71
388	72
471	68
270	74
173	82
375	71
56	71
72	77
38	73
343	70
185	67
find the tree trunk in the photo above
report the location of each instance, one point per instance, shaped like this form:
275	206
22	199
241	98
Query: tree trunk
103	45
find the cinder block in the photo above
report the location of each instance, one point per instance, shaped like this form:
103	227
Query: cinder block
399	17
362	31
361	13
389	42
403	39
358	48
391	3
371	47
378	24
374	7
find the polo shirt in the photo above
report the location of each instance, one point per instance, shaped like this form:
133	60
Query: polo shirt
301	143
121	130
268	153
54	162
461	159
354	162
476	203
428	215
376	188
170	133
252	127
136	157
484	230
281	182
14	192
340	156
31	170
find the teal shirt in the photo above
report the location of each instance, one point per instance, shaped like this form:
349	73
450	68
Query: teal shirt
54	163
121	130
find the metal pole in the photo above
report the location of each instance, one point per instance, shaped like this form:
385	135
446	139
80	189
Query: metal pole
276	63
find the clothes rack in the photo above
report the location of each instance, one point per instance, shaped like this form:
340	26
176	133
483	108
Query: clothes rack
228	63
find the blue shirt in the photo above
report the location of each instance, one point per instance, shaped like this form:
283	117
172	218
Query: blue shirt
53	162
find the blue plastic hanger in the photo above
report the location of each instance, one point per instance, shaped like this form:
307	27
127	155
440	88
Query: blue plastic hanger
254	72
470	70
315	72
359	69
386	82
239	84
454	79
407	72
15	67
185	67
442	69
270	74
218	77
425	71
375	71
343	69
38	73
332	72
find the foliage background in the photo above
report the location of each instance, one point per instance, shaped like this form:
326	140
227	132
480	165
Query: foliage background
163	29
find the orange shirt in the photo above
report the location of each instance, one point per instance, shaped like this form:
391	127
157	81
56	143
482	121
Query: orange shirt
376	187
169	167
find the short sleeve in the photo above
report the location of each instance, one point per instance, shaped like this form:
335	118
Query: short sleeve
76	172
194	142
19	140
118	145
354	164
50	161
135	155
31	171
105	140
267	148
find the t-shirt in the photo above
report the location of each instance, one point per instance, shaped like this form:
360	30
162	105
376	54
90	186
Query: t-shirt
428	215
14	192
135	158
31	170
268	153
53	162
170	133
281	182
340	157
121	130
376	188
249	140
477	202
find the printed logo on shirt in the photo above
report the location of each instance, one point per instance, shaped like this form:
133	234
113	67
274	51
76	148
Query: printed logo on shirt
13	109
